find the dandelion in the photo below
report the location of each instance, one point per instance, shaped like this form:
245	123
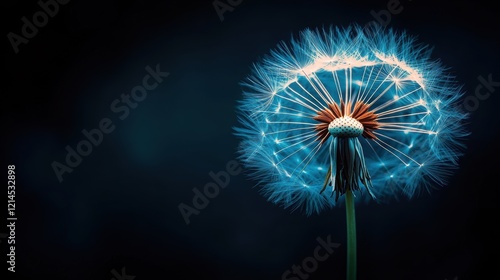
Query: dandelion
341	113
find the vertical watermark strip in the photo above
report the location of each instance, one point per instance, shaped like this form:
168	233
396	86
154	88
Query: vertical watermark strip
11	217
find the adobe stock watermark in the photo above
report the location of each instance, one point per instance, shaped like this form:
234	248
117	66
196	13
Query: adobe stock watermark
121	106
383	17
29	30
310	264
222	6
211	190
483	91
122	276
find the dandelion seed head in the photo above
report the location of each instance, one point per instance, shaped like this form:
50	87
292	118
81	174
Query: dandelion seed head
375	98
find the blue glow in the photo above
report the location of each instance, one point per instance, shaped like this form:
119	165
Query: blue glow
411	94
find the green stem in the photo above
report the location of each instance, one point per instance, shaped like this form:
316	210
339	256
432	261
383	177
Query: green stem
351	235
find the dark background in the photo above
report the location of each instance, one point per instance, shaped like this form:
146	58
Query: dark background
119	207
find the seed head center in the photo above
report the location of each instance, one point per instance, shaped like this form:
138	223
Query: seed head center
345	127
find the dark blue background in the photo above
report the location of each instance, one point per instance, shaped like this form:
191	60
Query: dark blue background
119	207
